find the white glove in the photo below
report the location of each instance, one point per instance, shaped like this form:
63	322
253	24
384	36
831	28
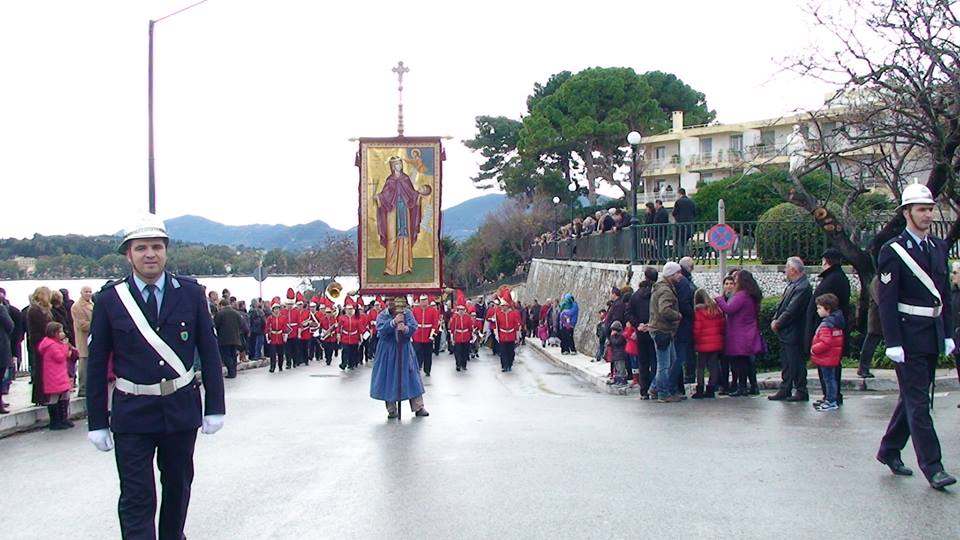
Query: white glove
212	423
895	354
101	438
949	346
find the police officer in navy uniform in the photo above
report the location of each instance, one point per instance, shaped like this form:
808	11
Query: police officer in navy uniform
150	325
916	319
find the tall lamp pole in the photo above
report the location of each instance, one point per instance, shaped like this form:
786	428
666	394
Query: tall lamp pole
556	222
151	173
633	138
573	198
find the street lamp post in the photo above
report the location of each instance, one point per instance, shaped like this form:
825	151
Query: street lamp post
556	222
633	138
573	197
151	173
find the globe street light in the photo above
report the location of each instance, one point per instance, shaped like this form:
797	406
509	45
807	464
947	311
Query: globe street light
633	139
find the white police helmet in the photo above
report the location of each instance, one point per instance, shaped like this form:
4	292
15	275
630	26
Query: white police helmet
149	226
915	194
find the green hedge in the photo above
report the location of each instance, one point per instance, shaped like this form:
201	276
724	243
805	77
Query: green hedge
786	230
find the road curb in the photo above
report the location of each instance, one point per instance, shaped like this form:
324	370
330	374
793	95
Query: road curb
35	417
597	380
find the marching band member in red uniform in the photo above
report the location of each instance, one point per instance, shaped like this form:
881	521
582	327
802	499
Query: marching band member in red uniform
350	328
276	334
463	327
507	325
328	330
428	324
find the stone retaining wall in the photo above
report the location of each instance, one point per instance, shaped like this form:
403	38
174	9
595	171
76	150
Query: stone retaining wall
590	284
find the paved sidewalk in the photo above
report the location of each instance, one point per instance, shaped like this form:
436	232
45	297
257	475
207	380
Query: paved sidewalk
597	374
24	415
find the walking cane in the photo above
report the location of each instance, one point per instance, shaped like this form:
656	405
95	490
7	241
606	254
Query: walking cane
399	377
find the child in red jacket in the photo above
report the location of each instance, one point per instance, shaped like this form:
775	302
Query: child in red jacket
827	347
708	330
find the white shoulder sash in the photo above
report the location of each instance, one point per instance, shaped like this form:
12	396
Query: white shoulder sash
148	333
916	270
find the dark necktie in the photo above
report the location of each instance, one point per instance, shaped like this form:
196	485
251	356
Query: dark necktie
152	310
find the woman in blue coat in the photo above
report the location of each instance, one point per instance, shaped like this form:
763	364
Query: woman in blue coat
395	326
569	314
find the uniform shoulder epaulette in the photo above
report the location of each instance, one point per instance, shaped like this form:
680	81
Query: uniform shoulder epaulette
188	279
111	284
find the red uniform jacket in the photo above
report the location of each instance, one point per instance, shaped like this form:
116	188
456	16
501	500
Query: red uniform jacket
325	324
306	331
507	325
708	331
292	316
428	320
350	329
462	328
276	329
372	321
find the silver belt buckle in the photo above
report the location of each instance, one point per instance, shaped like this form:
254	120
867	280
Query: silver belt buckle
168	387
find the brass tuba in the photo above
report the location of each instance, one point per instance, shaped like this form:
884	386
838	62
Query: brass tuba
333	291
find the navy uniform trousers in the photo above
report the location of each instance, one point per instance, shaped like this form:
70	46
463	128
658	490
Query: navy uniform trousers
911	417
138	501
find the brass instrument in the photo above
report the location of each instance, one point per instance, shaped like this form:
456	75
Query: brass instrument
333	291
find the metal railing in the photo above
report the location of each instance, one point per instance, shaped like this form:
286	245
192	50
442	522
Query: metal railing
756	243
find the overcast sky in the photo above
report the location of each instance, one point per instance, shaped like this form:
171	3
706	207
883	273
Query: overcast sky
256	100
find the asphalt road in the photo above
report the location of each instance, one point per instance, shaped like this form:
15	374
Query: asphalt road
528	454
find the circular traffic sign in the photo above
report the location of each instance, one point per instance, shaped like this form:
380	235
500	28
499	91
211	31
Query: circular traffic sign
721	237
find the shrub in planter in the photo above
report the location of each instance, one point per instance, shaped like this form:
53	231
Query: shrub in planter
787	230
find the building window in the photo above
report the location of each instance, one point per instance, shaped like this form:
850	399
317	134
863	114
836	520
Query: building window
706	178
660	152
706	149
736	147
768	137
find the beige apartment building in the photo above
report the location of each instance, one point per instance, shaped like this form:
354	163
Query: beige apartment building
689	157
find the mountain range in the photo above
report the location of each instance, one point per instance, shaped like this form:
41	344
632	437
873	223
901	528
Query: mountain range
459	222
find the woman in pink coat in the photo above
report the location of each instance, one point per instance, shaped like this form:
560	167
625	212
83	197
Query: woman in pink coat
55	353
742	339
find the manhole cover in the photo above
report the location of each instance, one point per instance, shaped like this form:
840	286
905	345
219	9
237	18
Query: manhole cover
321	375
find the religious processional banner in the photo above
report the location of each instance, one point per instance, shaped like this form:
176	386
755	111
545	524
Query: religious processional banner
398	237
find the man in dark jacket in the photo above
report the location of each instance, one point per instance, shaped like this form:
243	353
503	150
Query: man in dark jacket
617	310
6	329
638	313
684	211
16	343
686	357
832	280
258	327
789	323
661	218
227	322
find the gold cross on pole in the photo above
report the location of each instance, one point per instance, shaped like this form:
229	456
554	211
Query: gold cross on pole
400	70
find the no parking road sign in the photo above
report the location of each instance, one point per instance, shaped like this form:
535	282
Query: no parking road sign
721	237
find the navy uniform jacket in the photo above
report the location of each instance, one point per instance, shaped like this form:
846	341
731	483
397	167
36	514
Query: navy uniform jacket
917	335
185	326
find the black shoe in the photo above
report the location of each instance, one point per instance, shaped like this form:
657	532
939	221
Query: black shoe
272	370
754	391
57	426
779	396
645	397
799	396
865	375
897	467
941	480
422	412
723	391
698	394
